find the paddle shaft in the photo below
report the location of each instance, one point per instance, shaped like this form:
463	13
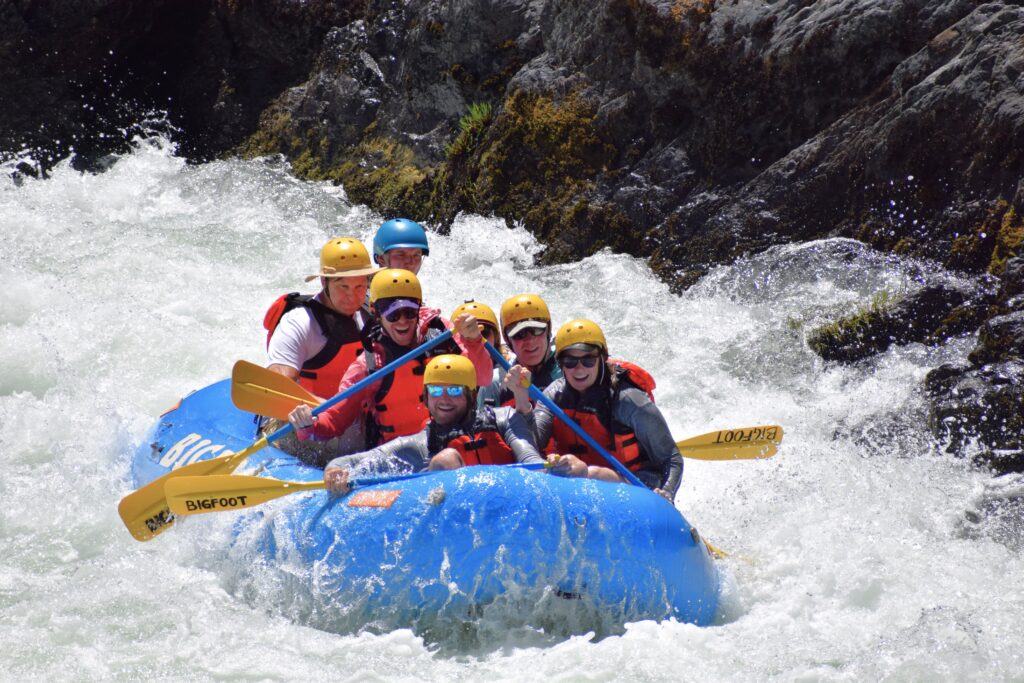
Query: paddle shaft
538	395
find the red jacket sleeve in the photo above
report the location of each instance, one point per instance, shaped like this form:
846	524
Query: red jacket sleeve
475	351
335	420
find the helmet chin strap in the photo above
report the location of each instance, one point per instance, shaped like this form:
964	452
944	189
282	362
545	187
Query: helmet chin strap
327	293
602	375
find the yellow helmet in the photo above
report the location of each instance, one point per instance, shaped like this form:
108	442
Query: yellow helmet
450	369
580	331
395	283
344	257
482	312
523	307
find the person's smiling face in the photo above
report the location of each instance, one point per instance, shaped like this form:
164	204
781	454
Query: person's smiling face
531	346
445	409
580	377
402	330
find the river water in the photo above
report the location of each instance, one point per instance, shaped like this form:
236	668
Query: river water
859	552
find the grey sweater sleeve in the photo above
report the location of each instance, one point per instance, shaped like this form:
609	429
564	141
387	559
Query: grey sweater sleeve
491	394
543	418
636	409
517	431
398	456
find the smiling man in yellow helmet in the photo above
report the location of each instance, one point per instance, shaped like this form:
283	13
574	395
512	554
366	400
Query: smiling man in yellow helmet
313	339
457	433
526	325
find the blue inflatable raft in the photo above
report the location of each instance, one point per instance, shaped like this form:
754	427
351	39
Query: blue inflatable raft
448	544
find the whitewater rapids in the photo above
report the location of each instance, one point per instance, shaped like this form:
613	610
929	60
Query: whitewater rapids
860	552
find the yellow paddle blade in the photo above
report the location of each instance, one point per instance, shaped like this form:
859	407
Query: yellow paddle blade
745	443
716	553
265	392
198	495
145	511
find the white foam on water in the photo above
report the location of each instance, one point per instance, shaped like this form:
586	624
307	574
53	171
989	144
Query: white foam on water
854	552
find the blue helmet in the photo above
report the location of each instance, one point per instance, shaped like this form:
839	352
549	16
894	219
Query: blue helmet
400	233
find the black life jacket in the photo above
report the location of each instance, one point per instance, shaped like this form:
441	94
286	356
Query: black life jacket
322	373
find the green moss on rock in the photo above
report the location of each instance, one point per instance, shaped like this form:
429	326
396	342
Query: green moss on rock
991	244
534	163
857	335
1008	241
386	175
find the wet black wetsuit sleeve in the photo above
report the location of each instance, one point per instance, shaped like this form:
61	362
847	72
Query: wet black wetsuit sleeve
635	409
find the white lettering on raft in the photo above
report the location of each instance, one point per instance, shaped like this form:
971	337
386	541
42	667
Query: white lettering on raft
190	449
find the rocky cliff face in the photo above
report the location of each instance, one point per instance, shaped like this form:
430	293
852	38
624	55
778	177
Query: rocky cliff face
684	131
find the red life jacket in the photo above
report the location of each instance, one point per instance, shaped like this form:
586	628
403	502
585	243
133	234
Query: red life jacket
617	438
483	444
398	408
322	373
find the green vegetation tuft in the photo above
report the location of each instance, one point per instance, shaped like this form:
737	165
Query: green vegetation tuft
471	129
1008	241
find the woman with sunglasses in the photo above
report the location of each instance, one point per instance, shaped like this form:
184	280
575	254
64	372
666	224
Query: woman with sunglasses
612	402
458	433
392	407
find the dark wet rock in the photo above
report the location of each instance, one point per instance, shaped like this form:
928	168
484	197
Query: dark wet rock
1013	280
916	317
978	409
686	131
1000	338
979	405
85	76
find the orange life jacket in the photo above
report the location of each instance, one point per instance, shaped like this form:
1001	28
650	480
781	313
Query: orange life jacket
398	408
617	438
322	373
483	444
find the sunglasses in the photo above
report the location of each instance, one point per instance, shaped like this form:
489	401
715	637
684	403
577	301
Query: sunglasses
407	313
529	332
437	390
572	361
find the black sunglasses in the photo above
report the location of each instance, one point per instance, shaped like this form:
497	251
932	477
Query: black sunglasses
529	332
407	313
572	361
